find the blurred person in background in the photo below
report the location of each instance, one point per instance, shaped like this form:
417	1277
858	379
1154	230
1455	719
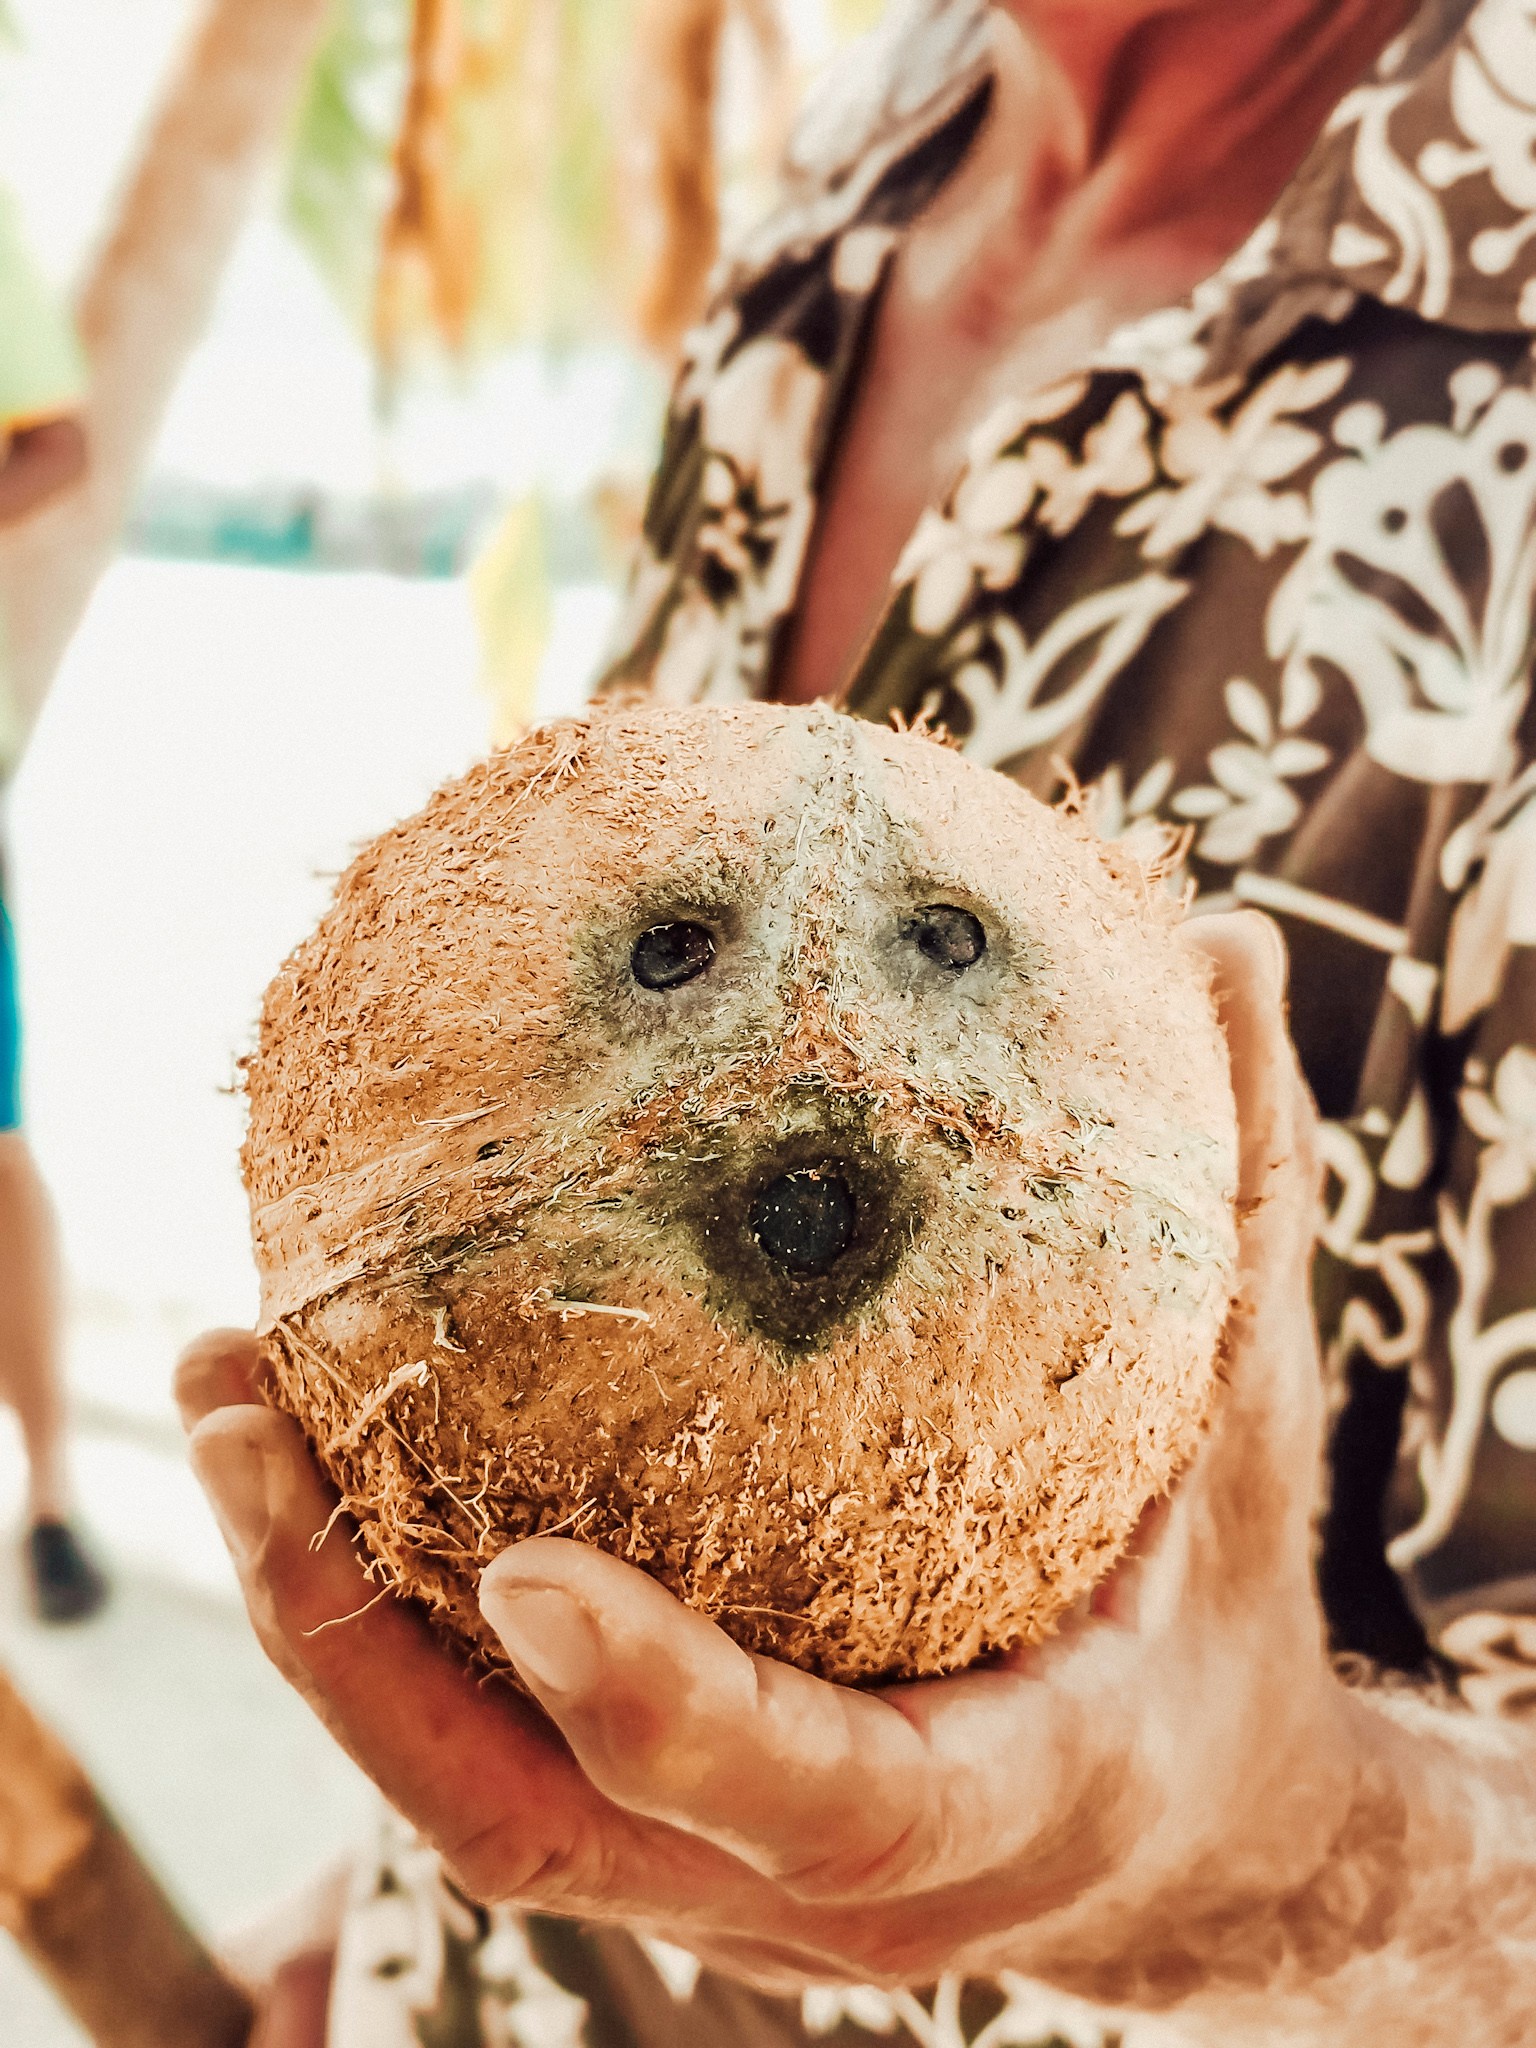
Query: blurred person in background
1148	385
42	452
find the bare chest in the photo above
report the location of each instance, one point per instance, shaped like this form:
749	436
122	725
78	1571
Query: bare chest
928	384
938	364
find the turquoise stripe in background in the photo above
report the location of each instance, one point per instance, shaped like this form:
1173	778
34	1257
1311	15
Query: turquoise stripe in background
10	1029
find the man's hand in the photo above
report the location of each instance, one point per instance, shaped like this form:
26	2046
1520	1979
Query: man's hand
1141	1806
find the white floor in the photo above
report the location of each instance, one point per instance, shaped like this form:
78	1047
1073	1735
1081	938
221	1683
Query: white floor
218	742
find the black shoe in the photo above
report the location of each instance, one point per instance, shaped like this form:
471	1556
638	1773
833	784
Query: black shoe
66	1584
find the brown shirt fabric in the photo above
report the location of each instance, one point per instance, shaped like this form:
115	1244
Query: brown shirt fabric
1264	570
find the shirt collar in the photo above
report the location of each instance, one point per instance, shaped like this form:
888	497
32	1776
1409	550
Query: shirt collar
1420	192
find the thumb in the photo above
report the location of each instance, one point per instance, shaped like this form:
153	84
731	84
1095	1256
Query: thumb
804	1781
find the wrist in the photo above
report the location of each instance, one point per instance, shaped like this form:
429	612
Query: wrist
1441	1814
1240	1872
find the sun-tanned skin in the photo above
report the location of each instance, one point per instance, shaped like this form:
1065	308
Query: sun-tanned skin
1176	1806
39	463
1131	147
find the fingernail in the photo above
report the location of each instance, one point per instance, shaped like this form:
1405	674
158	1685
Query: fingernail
549	1636
233	1471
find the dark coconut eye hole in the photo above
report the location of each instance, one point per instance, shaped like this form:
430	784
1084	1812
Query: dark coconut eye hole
669	954
947	935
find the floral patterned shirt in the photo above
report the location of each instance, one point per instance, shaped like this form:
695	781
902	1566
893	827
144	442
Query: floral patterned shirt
1264	570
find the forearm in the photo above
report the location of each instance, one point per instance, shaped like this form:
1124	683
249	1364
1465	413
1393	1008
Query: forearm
1437	1884
1418	1929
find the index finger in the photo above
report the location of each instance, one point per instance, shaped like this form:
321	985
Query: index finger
474	1767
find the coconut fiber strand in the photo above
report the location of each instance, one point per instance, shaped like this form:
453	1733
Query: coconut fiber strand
762	1145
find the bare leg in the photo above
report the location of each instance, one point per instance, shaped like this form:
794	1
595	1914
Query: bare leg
67	1584
31	1369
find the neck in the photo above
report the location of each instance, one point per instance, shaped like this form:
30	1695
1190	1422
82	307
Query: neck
1189	114
1131	148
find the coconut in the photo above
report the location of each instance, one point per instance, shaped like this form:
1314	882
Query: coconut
767	1147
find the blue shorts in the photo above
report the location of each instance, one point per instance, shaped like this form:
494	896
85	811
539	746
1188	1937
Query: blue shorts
10	1029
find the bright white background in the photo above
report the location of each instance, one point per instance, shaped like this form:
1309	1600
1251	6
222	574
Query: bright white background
219	741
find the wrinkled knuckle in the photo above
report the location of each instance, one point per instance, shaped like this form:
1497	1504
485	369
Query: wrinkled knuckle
278	1582
278	1639
505	1865
499	1865
300	1620
862	1872
890	1944
635	1748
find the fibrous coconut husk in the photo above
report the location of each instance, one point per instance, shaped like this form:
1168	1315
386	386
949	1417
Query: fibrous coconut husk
507	1202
